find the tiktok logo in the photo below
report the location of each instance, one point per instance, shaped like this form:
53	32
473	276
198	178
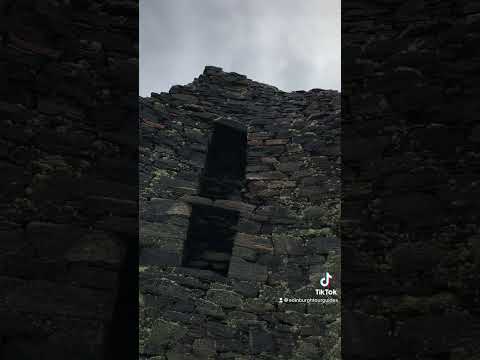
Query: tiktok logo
325	281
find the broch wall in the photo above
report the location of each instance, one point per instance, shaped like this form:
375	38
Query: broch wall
259	213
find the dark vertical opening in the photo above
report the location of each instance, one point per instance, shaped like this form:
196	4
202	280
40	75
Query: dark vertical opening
224	171
124	326
212	229
210	238
122	335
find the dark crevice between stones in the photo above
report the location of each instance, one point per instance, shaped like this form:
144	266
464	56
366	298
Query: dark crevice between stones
212	229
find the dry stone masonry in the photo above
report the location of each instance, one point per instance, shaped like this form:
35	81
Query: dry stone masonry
239	206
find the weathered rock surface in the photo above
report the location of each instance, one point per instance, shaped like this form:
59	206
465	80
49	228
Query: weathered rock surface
279	209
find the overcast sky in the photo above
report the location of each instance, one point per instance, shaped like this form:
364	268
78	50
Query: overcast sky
291	44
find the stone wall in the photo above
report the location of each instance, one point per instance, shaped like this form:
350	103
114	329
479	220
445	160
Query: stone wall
410	199
68	154
281	211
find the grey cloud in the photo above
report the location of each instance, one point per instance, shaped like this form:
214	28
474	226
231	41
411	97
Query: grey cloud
293	45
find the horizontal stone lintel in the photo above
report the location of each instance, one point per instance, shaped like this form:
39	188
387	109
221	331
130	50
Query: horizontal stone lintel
222	204
231	123
276	141
160	206
268	175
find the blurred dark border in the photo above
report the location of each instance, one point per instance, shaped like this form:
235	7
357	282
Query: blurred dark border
410	203
69	194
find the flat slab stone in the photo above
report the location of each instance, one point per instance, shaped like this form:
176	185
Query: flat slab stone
267	175
234	205
212	70
279	184
210	255
207	307
244	253
224	298
253	242
243	270
196	200
276	141
288	245
233	124
323	245
184	98
158	207
290	166
162	233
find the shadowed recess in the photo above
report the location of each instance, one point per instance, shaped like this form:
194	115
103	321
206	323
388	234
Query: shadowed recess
224	170
212	229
